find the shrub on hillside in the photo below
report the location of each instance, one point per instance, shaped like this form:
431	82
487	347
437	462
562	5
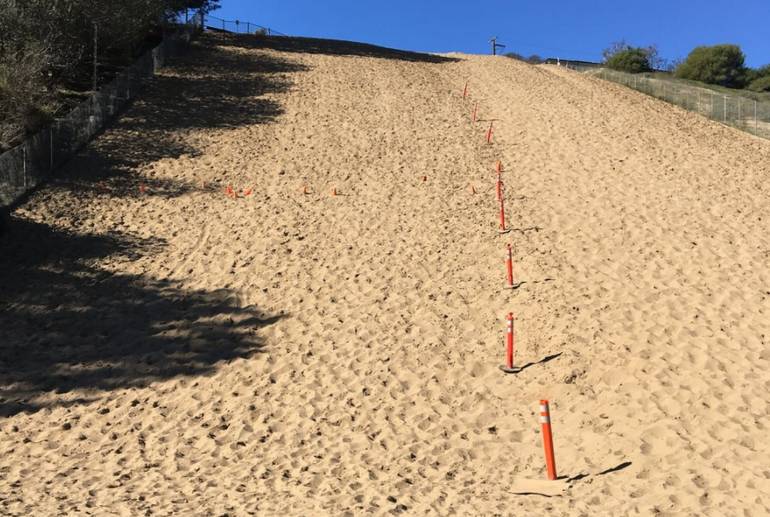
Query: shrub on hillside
23	93
761	84
534	59
757	73
631	60
720	64
46	45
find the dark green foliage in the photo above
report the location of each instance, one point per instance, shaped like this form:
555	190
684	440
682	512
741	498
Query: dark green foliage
631	60
534	59
761	84
47	44
719	64
757	73
625	58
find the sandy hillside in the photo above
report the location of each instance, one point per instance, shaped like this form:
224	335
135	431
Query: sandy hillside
169	350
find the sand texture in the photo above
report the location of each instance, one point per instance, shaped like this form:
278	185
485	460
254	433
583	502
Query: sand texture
167	349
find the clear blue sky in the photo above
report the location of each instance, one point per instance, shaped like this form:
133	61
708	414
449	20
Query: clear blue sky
555	28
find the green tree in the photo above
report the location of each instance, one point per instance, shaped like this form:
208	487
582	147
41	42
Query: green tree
718	64
632	60
49	43
760	84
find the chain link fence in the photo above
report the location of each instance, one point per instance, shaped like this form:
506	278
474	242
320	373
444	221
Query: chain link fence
239	27
33	161
743	113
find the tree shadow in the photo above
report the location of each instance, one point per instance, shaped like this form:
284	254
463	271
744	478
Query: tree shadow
213	86
66	324
334	48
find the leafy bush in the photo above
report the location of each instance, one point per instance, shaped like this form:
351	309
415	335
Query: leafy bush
534	59
719	64
761	84
632	60
23	93
625	58
757	73
49	44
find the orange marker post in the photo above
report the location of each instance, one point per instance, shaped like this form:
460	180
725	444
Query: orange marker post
499	187
489	133
545	421
499	167
334	191
509	349
509	267
503	228
465	90
472	189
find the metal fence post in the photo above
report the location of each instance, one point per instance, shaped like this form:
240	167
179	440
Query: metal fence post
50	138
724	116
24	162
96	56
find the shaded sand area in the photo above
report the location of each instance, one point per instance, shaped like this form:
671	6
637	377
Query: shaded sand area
179	352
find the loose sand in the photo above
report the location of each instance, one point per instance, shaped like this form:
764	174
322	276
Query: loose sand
179	352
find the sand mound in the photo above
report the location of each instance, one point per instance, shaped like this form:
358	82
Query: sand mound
169	349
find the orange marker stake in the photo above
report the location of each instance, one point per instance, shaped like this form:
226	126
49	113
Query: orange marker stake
334	191
499	187
465	90
508	366
502	229
475	111
509	267
545	421
472	189
489	133
499	167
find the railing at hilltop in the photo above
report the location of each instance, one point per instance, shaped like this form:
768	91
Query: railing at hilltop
747	114
239	27
35	160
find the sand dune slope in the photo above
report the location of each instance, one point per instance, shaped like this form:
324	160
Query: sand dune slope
168	349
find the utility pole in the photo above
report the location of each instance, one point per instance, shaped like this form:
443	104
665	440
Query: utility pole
495	45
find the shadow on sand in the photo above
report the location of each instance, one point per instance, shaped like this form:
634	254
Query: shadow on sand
67	325
334	48
214	86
